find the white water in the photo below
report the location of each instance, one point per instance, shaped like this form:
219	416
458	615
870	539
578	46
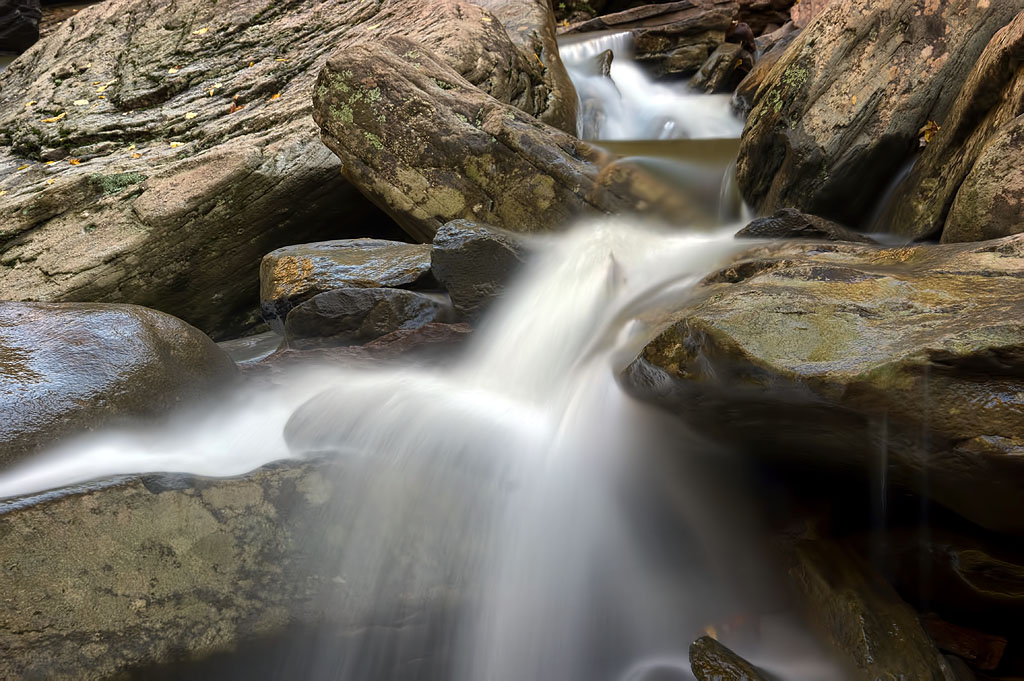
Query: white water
629	105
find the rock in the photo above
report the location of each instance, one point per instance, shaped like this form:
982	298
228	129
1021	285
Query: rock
712	661
672	37
723	70
972	143
771	52
113	580
293	274
664	190
475	262
66	369
19	24
189	169
839	115
761	15
741	34
428	146
345	316
789	223
990	202
805	11
829	354
982	650
858	615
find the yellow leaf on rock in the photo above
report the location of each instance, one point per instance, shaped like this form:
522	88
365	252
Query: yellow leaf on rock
280	59
30	103
55	118
136	155
2	192
23	167
75	161
175	145
486	20
190	115
50	163
81	102
201	31
276	95
173	69
51	180
131	148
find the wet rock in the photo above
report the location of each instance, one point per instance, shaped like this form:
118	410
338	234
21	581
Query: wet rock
423	142
187	167
672	37
858	614
106	581
346	316
839	115
19	24
762	15
789	223
712	661
982	650
293	274
66	369
832	354
663	190
475	262
723	70
974	152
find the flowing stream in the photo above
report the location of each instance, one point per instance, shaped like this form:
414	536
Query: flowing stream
585	537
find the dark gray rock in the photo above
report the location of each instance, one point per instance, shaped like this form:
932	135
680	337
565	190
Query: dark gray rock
789	223
724	69
475	262
294	274
19	24
712	661
69	368
346	316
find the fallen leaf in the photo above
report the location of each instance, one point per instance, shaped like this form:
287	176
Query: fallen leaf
2	192
281	59
276	95
30	103
75	161
50	163
81	102
136	155
102	89
854	99
102	97
928	132
190	115
373	28
251	63
486	20
96	82
173	69
175	145
131	148
201	31
55	118
51	180
23	167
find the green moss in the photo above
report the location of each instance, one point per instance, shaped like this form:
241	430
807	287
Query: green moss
444	85
375	141
342	113
112	184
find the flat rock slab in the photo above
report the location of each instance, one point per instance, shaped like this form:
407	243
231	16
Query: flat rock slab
294	274
788	223
68	368
835	353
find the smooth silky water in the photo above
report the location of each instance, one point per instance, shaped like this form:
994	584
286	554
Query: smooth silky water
511	514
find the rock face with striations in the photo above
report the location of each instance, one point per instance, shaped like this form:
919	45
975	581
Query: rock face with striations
451	126
66	369
840	113
969	183
831	353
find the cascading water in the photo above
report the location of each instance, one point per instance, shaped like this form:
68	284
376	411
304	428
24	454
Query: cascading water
626	104
513	516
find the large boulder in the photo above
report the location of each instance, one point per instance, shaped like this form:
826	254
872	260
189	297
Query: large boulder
165	148
294	274
417	136
19	24
839	115
968	183
835	354
66	369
